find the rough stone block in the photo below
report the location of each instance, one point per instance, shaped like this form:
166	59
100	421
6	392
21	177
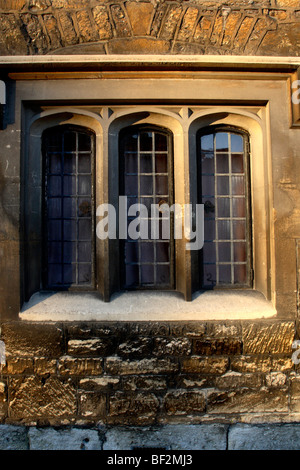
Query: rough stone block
64	439
274	338
170	22
182	402
92	404
127	408
135	347
144	383
99	383
169	437
32	398
68	365
172	347
117	366
101	18
232	380
90	347
264	437
252	364
205	365
248	401
140	15
13	437
32	339
223	346
121	24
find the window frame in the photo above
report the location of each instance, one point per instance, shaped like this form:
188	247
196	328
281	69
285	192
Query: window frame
229	129
164	131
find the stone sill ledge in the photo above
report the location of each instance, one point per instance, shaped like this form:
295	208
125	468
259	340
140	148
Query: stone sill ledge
147	306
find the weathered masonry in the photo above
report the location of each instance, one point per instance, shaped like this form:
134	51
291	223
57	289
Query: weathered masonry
114	342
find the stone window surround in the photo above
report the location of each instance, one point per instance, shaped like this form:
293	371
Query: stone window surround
184	130
255	121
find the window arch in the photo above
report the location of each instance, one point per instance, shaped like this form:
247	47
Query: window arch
146	178
68	203
224	189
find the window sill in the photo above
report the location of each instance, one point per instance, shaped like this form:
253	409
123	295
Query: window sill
147	306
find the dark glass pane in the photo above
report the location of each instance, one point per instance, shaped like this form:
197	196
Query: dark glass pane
69	207
130	142
54	208
147	273
131	185
240	274
146	163
84	229
237	163
223	207
147	252
147	202
54	274
239	230
54	142
145	141
209	230
207	142
222	185
238	185
163	274
69	253
69	272
209	207
208	186
209	275
70	163
131	163
238	207
224	229
84	141
132	275
84	163
84	207
54	186
222	163
54	230
69	183
237	143
161	163
84	252
146	185
240	252
84	273
208	162
162	252
222	141
225	274
224	250
70	230
161	142
161	185
209	252
84	185
131	252
54	252
69	141
55	163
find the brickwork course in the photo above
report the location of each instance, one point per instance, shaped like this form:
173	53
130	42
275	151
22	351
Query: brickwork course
242	27
139	374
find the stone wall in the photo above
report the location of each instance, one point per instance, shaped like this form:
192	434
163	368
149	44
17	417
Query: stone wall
141	374
267	27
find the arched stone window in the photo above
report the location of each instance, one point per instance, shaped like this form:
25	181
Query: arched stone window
68	208
224	189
